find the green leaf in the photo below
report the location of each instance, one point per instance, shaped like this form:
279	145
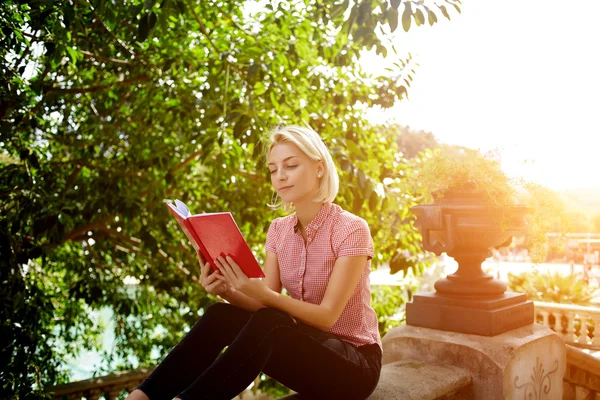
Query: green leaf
259	88
395	4
274	100
406	17
392	17
419	17
373	201
431	17
445	12
73	54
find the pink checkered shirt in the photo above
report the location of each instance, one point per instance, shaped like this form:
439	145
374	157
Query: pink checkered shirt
305	269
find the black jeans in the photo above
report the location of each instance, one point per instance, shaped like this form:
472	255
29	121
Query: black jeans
314	363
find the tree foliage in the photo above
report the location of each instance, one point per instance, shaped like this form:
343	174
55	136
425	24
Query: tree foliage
108	107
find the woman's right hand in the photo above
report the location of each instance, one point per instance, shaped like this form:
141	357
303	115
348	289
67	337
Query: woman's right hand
210	281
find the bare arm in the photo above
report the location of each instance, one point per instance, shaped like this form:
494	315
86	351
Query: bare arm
272	280
342	283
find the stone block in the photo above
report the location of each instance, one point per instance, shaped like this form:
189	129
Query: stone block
420	380
525	362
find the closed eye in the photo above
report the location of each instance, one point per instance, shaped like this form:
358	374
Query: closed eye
289	167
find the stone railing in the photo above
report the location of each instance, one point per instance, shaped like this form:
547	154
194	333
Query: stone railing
576	325
108	387
582	376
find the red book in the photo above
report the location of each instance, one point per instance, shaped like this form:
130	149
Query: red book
215	234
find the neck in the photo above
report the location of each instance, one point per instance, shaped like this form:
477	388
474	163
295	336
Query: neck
307	211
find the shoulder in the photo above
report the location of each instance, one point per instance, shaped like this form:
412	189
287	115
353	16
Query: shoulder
282	222
345	219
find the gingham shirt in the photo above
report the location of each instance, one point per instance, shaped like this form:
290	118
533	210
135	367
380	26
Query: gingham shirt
304	269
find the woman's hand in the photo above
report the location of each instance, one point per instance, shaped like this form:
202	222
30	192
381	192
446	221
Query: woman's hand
211	282
232	274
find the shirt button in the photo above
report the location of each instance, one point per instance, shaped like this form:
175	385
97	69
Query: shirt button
309	239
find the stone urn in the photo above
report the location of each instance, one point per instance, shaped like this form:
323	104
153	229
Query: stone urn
465	226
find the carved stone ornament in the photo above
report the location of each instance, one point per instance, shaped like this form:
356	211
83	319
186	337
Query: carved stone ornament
539	385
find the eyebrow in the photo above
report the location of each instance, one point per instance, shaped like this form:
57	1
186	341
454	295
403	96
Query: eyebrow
285	159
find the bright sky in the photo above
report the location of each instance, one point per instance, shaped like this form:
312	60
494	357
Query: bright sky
523	78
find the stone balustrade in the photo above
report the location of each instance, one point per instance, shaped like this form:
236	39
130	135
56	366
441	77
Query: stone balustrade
582	376
576	325
108	387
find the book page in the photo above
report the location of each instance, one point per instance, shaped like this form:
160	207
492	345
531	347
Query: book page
182	208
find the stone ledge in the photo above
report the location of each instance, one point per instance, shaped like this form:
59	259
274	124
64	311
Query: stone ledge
421	380
418	380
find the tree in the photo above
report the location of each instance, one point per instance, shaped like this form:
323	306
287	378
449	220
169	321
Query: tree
109	107
411	142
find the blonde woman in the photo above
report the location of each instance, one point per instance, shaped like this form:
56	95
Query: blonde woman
322	340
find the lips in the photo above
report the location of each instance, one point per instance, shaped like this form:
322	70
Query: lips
285	188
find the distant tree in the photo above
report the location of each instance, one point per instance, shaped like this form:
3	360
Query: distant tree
411	142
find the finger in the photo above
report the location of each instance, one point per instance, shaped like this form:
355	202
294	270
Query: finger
201	257
210	279
213	286
231	268
204	271
236	268
224	268
221	277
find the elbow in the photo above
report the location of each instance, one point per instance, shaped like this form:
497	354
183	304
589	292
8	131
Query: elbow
329	319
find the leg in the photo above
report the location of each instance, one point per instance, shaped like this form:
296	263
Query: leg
319	365
216	329
270	340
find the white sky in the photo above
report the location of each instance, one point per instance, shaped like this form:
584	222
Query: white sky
522	78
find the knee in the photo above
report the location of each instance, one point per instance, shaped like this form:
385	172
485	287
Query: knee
271	317
216	313
217	309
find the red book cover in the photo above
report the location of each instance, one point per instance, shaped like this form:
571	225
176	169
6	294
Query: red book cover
215	234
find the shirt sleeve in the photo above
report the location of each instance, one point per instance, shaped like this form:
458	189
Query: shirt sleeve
271	243
356	241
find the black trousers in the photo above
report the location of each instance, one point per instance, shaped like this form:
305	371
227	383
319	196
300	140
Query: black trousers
314	363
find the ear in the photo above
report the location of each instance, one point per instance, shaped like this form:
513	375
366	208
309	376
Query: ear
320	167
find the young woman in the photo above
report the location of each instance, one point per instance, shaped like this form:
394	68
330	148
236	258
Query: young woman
322	340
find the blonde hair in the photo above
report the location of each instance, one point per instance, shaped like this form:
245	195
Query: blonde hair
310	143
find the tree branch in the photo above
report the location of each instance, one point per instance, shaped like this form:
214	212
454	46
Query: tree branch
107	59
27	51
185	162
203	29
142	77
88	227
115	38
232	20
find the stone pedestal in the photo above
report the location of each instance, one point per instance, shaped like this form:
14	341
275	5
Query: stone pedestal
479	315
528	362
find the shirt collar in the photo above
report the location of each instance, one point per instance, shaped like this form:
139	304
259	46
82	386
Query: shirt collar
317	220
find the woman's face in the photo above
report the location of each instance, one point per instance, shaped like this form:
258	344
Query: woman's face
293	174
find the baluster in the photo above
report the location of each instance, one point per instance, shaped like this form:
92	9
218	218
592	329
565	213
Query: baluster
570	328
113	393
558	328
596	338
583	332
545	318
94	394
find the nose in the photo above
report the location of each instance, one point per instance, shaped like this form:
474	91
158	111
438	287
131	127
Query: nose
280	175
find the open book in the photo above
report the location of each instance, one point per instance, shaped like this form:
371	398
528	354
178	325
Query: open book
215	234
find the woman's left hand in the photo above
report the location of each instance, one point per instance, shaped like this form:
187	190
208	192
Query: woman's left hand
232	273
